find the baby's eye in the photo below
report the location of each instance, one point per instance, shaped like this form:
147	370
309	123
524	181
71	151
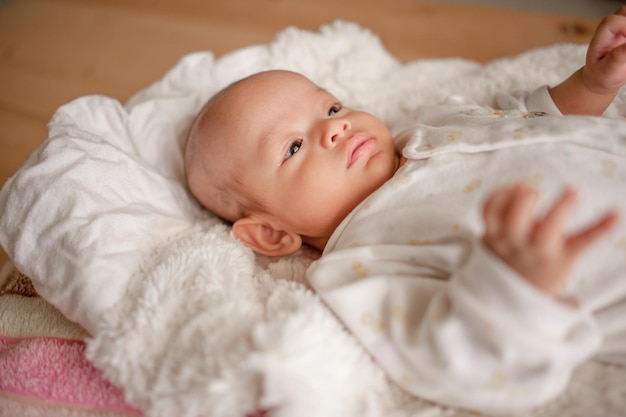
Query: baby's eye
293	148
334	109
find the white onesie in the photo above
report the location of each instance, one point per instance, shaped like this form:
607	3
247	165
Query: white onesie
408	275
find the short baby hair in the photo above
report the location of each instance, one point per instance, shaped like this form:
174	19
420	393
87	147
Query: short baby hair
219	189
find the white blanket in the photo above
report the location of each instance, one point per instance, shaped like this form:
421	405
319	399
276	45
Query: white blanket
185	319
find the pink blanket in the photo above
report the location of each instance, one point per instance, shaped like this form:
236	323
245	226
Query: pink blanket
54	370
43	369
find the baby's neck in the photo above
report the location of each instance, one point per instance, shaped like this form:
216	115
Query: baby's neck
318	243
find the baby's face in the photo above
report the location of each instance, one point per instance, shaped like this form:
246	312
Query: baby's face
309	159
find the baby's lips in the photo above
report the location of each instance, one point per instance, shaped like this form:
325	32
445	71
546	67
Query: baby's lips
359	145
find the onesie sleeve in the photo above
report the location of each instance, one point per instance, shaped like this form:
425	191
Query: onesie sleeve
538	100
482	338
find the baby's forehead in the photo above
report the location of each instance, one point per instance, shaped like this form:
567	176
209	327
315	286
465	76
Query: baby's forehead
255	104
276	80
255	93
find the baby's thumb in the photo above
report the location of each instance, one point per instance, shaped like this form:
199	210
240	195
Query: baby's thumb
583	239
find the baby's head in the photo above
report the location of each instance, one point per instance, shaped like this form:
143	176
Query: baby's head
284	161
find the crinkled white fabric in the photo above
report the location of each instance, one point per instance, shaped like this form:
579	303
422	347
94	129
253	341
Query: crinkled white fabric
184	318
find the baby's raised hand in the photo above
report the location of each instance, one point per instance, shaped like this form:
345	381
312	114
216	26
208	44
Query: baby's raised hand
538	249
605	66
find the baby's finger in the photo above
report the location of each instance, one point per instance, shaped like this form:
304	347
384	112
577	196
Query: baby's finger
581	240
550	230
518	214
617	57
492	211
609	34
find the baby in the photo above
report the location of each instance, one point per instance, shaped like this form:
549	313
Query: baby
489	310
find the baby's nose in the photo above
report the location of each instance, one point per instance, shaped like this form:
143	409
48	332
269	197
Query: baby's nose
336	129
344	126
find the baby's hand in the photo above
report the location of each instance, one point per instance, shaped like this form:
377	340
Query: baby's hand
605	66
538	249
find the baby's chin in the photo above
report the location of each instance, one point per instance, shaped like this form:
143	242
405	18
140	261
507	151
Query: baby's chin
382	167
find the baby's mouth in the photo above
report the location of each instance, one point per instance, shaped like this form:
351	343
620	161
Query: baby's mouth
359	145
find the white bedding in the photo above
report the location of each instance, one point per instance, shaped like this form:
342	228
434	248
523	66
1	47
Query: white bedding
184	317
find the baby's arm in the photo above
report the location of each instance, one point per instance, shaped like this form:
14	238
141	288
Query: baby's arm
480	337
539	250
591	89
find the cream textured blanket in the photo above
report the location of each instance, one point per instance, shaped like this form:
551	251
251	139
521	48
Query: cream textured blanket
192	323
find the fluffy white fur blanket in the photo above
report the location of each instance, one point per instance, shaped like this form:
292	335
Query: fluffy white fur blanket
199	326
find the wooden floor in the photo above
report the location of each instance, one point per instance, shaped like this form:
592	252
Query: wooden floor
52	51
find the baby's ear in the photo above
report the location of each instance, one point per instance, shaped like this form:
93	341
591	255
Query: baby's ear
265	239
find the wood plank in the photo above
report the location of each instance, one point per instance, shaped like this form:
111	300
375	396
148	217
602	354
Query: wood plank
410	28
17	142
